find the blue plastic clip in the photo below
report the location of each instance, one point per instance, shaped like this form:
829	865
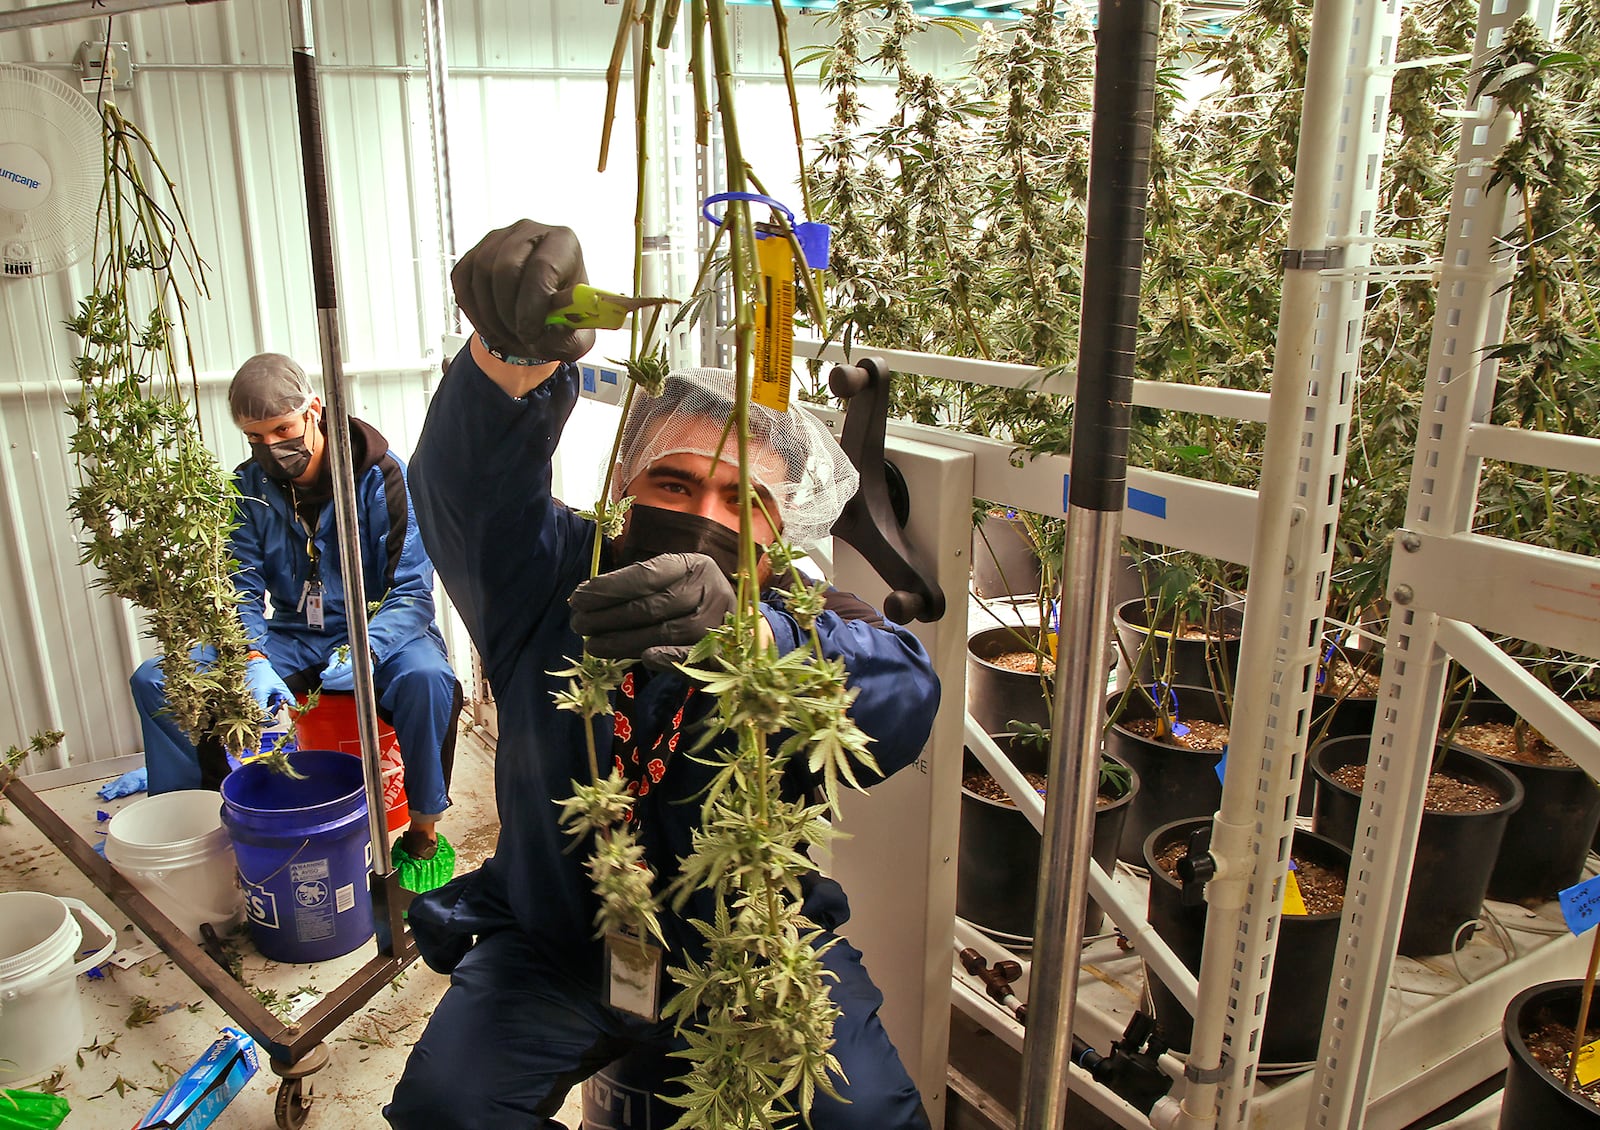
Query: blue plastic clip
814	238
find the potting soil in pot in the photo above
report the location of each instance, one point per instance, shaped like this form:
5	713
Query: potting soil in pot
1308	939
1446	792
1321	888
1024	662
1550	1042
1198	733
1500	739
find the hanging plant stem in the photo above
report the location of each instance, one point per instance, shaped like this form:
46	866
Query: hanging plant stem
153	499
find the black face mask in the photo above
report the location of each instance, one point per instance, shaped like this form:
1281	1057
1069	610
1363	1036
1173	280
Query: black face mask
653	531
285	460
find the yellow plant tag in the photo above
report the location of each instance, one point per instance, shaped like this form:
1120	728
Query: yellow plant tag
1293	902
774	323
1589	1063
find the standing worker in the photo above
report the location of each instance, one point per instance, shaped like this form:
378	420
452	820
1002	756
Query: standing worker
286	548
525	1016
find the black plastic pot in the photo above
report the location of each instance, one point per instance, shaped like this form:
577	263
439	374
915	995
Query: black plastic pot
1195	662
1456	851
1533	1097
1548	838
996	696
1301	970
1174	783
997	869
1003	560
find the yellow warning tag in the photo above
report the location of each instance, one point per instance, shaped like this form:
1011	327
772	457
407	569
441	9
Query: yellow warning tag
1293	903
1588	1063
774	323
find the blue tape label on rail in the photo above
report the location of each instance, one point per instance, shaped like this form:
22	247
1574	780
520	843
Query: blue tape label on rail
1143	501
1580	905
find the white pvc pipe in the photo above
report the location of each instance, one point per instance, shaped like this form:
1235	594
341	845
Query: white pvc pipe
1271	560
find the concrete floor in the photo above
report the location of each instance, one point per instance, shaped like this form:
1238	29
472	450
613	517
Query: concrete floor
125	1069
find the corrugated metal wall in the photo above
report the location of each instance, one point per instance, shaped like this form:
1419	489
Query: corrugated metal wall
213	89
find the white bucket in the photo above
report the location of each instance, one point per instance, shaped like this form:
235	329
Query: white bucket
174	848
41	1017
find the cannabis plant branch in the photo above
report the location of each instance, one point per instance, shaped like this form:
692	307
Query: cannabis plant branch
153	499
754	1010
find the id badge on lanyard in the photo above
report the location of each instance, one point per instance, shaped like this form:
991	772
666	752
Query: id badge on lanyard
633	974
311	591
311	604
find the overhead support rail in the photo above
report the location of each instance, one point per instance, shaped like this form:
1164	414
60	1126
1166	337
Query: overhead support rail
46	14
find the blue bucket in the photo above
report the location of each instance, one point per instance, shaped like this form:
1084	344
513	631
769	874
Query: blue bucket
304	855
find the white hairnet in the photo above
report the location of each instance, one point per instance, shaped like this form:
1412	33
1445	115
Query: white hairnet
267	386
792	455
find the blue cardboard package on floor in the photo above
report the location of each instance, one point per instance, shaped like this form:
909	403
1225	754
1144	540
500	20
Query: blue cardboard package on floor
195	1100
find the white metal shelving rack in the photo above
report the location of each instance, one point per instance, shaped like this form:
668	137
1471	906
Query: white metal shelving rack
1397	1041
1448	587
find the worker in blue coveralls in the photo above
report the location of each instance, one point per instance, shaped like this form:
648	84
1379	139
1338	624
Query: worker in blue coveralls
526	1016
287	551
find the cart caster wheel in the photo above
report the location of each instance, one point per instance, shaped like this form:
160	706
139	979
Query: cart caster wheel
293	1106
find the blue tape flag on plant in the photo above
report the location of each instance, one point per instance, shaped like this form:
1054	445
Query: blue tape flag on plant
1580	905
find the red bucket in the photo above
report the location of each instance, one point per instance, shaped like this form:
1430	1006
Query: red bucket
331	724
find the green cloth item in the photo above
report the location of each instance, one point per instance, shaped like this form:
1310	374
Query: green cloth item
420	875
32	1110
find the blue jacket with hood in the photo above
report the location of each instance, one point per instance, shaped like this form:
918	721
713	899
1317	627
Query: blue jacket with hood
510	555
275	560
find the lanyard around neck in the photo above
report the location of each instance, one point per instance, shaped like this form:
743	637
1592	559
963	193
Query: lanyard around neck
313	554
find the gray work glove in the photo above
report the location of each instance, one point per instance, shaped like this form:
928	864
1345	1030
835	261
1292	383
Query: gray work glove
506	286
654	610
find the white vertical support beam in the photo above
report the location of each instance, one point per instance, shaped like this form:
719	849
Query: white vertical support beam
1337	180
898	862
1459	390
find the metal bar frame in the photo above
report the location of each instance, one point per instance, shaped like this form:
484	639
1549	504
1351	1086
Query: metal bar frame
46	14
287	1043
1458	394
1320	322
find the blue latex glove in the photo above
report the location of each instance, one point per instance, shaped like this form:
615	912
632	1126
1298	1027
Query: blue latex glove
340	673
266	685
133	781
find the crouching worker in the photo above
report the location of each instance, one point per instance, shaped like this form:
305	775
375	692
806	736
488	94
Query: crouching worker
287	550
526	1015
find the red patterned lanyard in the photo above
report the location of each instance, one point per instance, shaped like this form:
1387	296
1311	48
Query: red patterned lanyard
641	768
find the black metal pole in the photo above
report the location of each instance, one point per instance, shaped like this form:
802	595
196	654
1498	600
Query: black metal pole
1119	178
388	901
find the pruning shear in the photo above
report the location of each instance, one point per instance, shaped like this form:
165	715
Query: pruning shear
586	307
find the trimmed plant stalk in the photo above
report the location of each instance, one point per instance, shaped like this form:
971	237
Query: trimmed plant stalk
308	100
1119	182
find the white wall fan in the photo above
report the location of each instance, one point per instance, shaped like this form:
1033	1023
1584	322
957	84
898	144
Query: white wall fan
50	173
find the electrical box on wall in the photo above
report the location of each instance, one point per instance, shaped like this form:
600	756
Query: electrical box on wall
104	65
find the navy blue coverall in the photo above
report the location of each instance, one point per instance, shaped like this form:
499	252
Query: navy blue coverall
273	547
524	1018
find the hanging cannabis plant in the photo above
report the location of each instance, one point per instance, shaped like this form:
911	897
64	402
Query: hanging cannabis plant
755	1012
155	503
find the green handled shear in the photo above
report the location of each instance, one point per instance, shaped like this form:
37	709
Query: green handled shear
585	307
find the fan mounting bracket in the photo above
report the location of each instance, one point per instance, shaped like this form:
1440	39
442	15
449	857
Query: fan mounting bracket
92	59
